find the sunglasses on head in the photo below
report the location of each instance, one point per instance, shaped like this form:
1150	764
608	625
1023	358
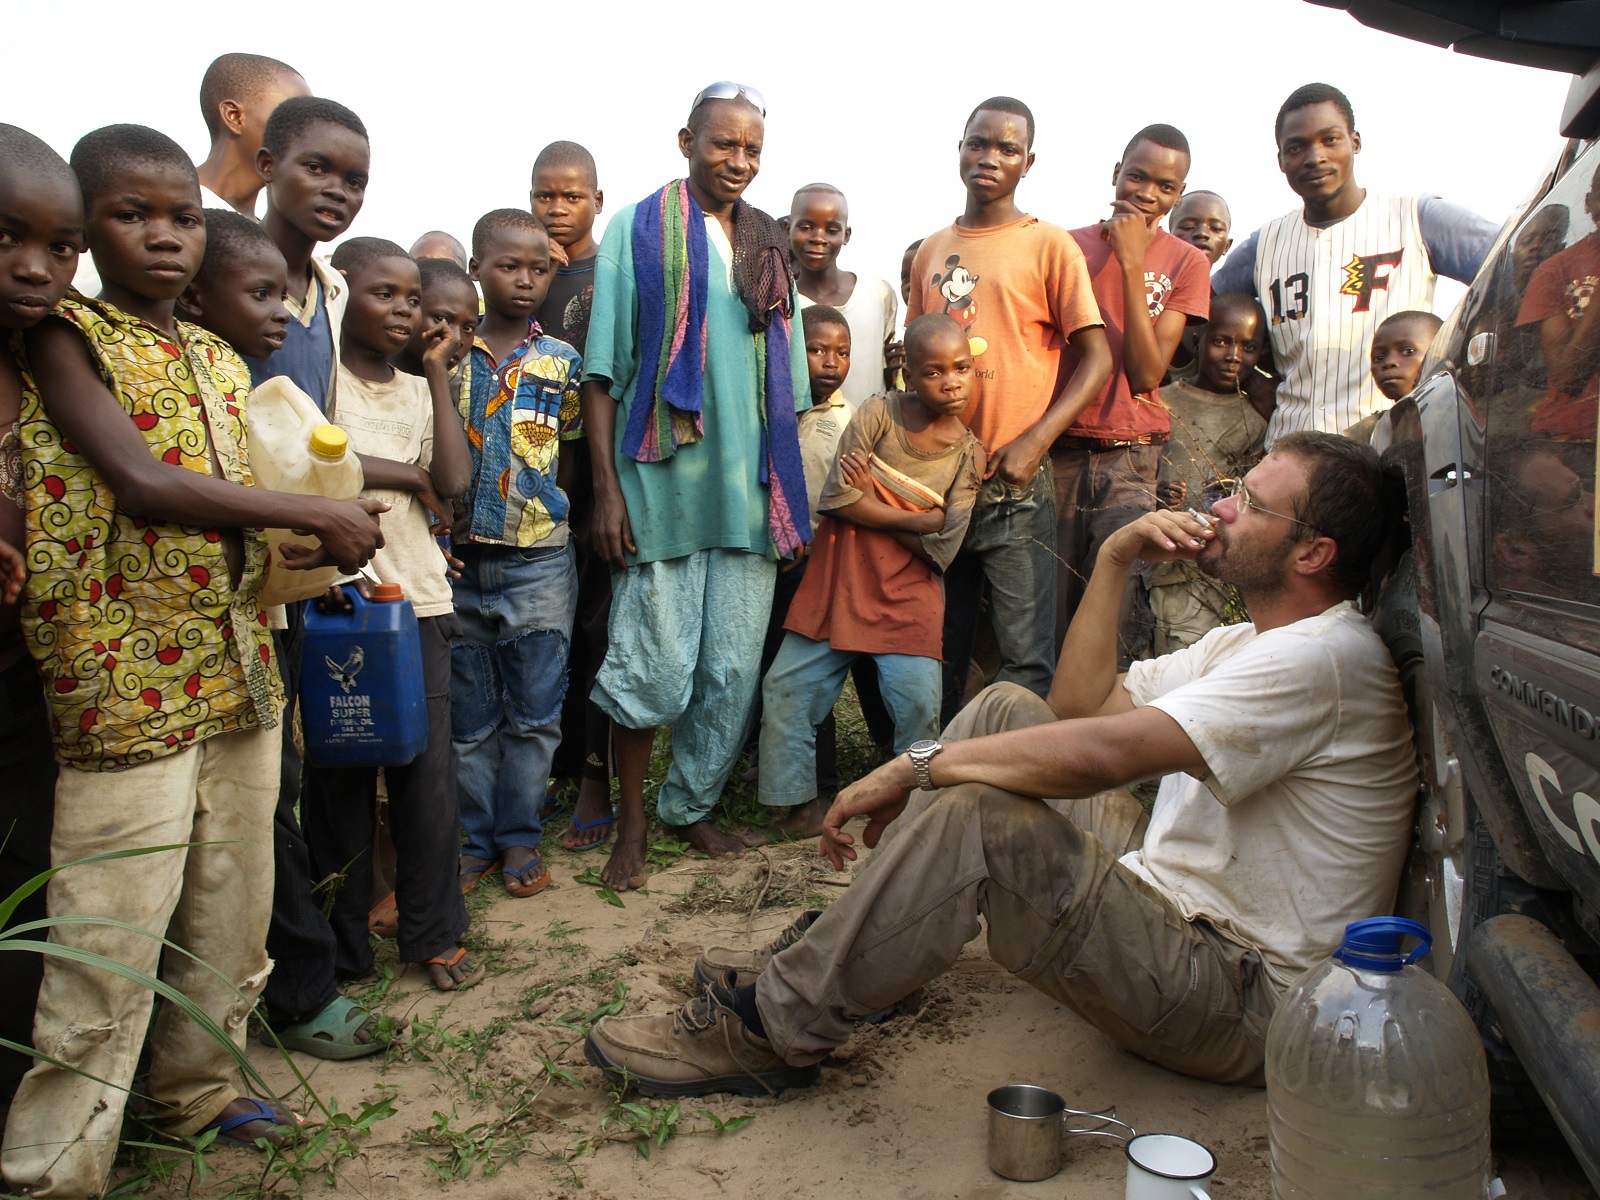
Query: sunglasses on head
727	89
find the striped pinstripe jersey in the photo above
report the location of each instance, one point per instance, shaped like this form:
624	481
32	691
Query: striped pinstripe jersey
1325	292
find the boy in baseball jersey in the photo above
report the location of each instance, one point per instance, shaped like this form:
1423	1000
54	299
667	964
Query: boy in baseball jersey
1330	272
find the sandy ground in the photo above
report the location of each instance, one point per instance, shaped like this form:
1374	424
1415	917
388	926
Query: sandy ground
899	1113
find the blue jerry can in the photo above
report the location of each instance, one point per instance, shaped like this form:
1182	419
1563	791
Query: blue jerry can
362	701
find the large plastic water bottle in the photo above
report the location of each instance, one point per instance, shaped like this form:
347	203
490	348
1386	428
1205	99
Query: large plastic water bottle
1376	1081
362	701
293	449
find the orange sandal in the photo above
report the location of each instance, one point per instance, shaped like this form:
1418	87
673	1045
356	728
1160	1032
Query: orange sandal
384	918
530	881
475	969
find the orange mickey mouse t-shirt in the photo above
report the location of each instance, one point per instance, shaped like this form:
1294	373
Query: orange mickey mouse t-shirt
1022	288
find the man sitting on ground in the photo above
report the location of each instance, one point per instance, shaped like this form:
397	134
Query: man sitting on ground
1284	814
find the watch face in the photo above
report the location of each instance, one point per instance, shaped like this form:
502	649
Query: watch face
925	746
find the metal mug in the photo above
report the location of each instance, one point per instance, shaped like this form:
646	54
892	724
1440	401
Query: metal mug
1027	1125
1164	1166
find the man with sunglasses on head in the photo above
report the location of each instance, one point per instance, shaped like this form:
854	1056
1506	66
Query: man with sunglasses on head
1288	780
692	381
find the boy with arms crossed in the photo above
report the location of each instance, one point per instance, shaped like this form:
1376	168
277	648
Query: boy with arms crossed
897	503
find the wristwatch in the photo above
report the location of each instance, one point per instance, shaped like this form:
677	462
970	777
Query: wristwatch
922	755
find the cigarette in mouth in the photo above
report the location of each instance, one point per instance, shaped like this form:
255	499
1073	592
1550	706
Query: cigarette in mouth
1206	518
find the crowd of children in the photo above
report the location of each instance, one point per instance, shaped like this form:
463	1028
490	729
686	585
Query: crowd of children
976	458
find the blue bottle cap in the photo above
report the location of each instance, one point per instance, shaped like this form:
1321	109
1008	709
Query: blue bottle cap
1374	944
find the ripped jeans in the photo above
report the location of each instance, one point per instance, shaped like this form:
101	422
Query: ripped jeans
214	899
508	677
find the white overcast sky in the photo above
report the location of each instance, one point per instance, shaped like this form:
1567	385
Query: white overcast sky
869	96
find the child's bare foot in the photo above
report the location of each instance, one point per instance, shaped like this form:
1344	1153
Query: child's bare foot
709	840
592	817
803	820
625	868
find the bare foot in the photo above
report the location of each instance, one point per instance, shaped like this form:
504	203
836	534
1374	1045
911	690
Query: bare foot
803	820
709	840
592	818
625	868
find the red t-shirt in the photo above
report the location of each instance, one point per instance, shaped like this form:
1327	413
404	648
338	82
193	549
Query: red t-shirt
1176	275
1565	285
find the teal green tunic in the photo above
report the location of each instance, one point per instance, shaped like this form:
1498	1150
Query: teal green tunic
708	494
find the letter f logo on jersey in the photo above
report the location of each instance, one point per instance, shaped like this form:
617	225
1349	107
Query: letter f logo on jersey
1366	274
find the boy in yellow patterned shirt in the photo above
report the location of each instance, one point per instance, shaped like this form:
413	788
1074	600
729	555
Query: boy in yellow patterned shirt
140	608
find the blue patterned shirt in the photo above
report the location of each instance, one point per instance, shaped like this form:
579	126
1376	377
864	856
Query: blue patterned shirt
516	413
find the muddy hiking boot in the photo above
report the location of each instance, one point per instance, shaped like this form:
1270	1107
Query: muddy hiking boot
747	965
699	1049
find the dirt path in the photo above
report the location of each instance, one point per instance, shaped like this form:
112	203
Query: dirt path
899	1113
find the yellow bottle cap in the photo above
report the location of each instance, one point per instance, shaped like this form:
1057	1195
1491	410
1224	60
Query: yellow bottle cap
329	441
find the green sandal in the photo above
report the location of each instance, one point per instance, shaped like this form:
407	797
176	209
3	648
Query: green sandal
330	1034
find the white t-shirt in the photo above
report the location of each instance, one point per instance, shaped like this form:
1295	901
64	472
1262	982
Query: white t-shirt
870	312
822	427
1302	821
394	420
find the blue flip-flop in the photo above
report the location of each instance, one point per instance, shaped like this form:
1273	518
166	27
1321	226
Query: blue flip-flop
226	1125
584	827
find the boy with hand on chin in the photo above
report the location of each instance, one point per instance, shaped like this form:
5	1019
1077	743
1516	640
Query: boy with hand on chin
896	507
518	585
41	237
449	303
410	422
1149	285
1217	436
141	611
819	228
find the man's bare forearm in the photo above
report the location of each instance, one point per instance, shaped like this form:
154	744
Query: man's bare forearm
1086	672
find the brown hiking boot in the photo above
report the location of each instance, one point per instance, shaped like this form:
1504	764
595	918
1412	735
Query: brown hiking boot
747	965
701	1048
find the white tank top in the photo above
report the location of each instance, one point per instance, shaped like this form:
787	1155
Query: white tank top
1325	292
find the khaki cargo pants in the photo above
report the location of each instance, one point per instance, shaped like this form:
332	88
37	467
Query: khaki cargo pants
1061	914
214	900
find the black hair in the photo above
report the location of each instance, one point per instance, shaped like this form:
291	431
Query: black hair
822	314
441	270
1411	314
455	245
1193	192
492	223
236	77
1169	136
568	154
299	113
913	248
925	326
228	234
100	155
1347	498
1006	104
697	115
1308	94
32	158
361	252
1235	304
825	188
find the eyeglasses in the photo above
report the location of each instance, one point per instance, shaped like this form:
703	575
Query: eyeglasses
1243	501
726	89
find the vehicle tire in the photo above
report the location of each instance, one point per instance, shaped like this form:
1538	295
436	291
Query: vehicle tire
1454	878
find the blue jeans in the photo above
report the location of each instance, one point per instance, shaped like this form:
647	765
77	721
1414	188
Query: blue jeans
802	688
508	676
1011	544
